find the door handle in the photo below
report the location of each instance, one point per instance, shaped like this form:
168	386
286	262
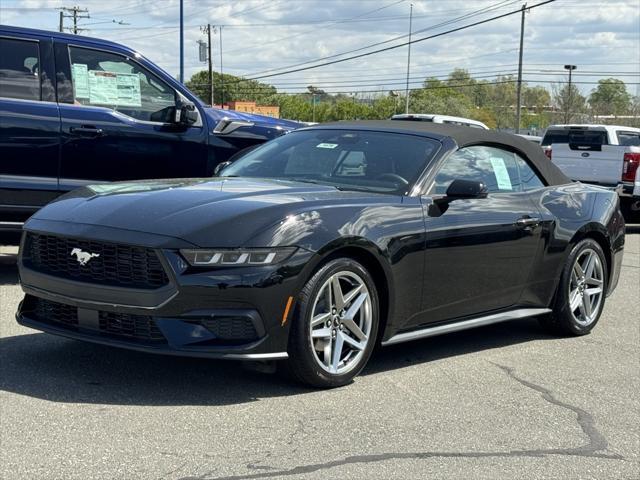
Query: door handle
86	131
528	222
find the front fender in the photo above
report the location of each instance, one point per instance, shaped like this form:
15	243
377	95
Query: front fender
391	234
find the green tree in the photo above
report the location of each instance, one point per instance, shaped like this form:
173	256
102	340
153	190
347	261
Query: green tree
464	84
438	97
569	101
535	98
235	88
502	101
610	97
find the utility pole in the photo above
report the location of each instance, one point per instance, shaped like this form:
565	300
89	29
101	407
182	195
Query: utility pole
407	92
221	74
567	111
207	30
519	86
314	91
181	41
74	13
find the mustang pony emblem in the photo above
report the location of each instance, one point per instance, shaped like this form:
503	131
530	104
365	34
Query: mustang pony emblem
83	257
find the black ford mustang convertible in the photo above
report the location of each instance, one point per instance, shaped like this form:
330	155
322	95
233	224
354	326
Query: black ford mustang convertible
319	245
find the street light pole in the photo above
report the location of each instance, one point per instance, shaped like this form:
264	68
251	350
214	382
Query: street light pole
571	68
409	57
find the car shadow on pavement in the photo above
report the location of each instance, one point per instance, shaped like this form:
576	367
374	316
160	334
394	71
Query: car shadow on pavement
61	370
8	268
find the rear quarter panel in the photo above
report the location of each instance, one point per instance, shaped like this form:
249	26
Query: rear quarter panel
570	213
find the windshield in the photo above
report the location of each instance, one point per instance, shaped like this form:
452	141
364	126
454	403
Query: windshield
346	159
575	136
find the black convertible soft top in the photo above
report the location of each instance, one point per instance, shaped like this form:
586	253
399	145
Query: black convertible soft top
464	137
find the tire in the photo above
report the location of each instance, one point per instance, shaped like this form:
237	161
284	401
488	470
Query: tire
350	325
585	286
630	208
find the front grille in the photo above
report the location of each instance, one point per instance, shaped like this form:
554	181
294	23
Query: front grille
130	326
112	264
121	326
66	315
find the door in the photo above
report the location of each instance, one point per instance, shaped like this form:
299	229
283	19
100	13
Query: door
118	124
480	251
29	128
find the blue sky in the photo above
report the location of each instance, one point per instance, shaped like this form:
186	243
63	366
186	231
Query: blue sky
601	37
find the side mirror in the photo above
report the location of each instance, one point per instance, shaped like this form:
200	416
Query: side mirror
221	166
185	114
466	189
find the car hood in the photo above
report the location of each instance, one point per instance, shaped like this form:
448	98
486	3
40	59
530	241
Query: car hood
217	212
217	114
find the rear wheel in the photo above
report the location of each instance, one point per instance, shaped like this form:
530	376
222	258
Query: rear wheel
581	293
336	325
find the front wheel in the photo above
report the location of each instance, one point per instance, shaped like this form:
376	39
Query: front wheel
581	292
335	327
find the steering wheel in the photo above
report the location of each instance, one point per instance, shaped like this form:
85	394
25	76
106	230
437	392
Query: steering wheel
393	176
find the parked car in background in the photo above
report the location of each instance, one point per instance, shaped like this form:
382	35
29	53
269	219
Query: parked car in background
320	244
606	155
445	119
532	138
78	110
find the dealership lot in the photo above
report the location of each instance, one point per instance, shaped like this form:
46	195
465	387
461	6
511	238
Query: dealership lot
506	401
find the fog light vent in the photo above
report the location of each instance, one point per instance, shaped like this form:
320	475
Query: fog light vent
232	327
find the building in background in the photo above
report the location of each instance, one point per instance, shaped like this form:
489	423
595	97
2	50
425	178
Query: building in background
251	107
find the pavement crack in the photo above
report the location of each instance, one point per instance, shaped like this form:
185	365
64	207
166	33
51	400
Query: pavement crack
597	441
594	448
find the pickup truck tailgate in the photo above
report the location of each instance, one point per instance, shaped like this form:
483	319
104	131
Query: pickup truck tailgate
602	167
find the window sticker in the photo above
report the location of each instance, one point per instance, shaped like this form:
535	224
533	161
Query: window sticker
327	145
501	173
103	87
80	80
106	88
129	90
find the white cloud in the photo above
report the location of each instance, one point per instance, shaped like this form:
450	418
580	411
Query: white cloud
600	36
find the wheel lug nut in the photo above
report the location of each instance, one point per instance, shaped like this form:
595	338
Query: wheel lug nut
329	324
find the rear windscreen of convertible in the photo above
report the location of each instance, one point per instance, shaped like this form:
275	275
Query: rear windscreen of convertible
349	159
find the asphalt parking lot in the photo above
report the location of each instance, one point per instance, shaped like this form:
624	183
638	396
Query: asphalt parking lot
506	401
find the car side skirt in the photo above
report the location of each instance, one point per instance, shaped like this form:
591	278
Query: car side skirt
465	325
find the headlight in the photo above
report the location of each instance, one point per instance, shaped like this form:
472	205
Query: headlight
236	257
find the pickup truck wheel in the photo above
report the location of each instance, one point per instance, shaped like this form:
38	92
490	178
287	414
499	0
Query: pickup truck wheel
335	325
581	293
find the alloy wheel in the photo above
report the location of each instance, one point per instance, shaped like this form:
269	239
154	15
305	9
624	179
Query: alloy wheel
586	287
341	322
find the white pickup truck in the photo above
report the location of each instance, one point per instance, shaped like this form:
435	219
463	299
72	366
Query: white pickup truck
598	154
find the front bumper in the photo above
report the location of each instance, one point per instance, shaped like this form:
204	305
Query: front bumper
228	313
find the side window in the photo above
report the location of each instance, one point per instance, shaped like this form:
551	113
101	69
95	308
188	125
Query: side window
19	69
629	139
529	179
500	170
109	80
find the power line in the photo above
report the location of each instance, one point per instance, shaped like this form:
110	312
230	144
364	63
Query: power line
432	27
277	40
404	44
266	91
